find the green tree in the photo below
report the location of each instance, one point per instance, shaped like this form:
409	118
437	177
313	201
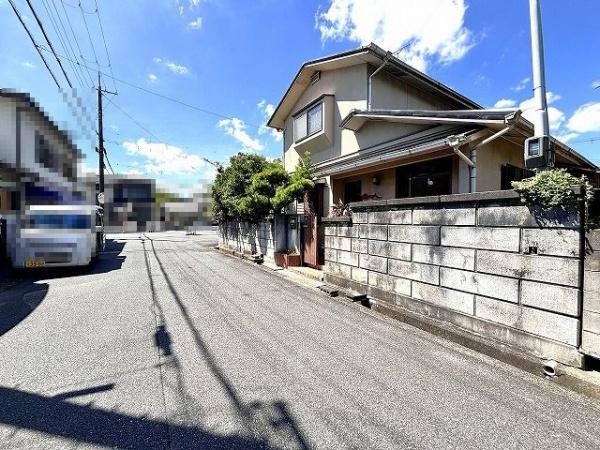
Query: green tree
251	188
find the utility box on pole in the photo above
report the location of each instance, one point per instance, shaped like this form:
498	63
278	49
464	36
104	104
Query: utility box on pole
538	151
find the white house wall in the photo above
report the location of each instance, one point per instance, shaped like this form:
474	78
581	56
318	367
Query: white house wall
7	131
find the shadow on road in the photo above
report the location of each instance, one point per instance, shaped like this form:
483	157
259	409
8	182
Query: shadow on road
21	290
20	301
273	424
87	424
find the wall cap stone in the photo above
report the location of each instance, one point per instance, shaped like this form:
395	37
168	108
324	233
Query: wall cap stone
509	195
343	220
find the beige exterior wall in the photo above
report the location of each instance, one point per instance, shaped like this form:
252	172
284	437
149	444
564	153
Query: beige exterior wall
348	86
490	159
390	92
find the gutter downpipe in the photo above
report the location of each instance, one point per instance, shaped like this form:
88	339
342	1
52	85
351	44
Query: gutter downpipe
509	121
457	141
370	88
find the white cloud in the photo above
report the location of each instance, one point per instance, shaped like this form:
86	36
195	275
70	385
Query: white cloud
596	84
267	109
567	137
177	69
236	128
555	116
152	78
191	4
586	118
28	65
433	28
196	24
163	159
505	103
521	85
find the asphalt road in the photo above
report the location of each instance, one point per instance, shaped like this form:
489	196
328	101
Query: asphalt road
167	343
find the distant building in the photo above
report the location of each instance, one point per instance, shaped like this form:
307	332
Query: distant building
129	202
187	213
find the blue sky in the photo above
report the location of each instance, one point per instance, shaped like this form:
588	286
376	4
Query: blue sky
236	58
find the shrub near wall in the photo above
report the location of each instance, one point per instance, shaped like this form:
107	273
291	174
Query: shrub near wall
483	261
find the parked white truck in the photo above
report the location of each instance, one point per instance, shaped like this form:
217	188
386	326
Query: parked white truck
56	236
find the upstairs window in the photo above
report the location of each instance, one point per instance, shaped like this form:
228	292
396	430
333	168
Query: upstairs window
43	152
309	122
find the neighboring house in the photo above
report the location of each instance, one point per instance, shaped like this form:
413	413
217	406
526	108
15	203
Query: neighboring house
187	213
38	161
377	128
129	202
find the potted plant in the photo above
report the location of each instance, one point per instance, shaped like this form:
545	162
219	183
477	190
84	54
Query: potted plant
287	258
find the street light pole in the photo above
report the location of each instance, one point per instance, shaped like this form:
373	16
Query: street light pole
541	124
539	153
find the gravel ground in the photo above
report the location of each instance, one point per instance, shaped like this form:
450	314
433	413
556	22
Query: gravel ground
167	343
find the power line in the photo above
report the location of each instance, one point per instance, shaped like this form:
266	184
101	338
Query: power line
597	138
54	24
62	3
134	120
49	43
218	165
108	161
105	46
78	68
166	97
89	35
34	43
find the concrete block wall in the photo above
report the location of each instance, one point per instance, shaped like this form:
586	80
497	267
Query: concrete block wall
591	296
482	258
250	238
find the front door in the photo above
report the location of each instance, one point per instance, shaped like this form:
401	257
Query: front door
312	247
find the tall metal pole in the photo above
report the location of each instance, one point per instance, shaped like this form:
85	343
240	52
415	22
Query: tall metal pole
541	124
100	140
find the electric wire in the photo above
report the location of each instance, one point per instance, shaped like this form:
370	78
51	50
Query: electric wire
166	97
79	69
49	43
62	3
16	11
61	41
105	46
87	29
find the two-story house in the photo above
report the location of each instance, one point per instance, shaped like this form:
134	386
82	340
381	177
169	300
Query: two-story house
377	128
38	161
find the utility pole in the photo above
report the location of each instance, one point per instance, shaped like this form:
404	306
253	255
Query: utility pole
100	148
100	140
539	153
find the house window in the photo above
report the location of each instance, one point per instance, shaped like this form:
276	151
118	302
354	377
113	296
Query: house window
509	173
423	179
353	191
43	152
309	122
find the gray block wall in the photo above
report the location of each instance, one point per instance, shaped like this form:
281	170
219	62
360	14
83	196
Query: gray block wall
247	238
494	261
591	296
